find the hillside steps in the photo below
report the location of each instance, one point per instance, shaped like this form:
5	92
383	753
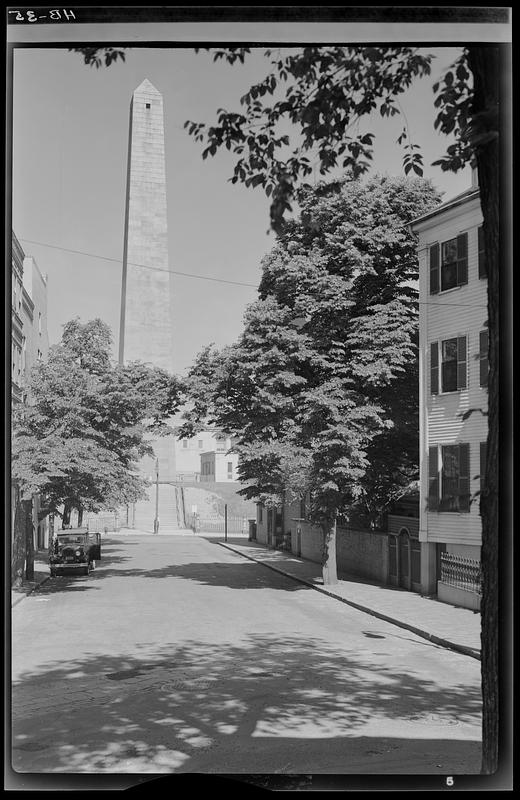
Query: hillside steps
170	508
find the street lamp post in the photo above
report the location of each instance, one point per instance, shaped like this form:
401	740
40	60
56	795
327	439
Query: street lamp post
225	522
156	520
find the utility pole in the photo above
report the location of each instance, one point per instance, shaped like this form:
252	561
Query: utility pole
156	520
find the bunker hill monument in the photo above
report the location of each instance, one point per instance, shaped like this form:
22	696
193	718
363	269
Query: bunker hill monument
146	307
146	327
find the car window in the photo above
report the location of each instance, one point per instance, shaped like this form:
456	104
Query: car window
71	539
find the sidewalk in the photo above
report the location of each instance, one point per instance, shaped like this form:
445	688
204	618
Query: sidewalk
443	624
41	574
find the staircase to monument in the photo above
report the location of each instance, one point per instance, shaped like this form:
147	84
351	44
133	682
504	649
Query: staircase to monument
171	513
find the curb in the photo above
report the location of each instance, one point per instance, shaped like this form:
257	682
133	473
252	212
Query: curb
459	648
30	590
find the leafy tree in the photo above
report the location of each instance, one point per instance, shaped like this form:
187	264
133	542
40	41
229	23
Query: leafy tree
321	92
310	390
86	425
89	343
94	56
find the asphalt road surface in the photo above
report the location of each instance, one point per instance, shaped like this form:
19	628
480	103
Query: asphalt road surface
176	655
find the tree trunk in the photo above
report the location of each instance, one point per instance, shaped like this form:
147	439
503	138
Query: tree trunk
51	533
18	546
80	516
29	539
328	562
67	509
485	66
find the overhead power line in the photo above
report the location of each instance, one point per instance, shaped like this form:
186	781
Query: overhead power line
134	264
208	277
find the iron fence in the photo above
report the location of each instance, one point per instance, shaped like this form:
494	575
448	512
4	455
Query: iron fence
283	542
463	573
100	523
217	524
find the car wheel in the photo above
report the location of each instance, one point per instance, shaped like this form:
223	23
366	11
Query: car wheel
87	570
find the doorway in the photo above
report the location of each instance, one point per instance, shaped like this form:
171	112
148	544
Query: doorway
404	558
404	561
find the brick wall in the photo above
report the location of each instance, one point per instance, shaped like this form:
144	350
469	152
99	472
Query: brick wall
363	553
359	552
310	544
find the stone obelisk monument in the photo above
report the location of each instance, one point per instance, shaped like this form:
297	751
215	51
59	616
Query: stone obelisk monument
146	330
146	314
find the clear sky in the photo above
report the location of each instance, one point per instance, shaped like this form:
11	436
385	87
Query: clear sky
70	137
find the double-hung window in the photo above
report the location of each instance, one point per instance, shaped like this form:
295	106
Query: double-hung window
449	264
448	365
448	473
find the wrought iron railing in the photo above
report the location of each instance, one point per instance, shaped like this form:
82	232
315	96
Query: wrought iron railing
98	523
283	541
463	573
187	477
217	524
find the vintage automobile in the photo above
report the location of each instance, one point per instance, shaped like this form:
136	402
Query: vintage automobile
74	549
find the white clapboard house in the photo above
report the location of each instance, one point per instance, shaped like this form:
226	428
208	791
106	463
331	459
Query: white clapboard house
453	395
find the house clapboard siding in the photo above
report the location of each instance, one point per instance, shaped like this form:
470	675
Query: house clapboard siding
452	417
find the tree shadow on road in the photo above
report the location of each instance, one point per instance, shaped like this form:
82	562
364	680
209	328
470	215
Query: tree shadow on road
65	584
268	704
239	573
243	574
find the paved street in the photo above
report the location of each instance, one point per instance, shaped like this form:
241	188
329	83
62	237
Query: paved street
178	655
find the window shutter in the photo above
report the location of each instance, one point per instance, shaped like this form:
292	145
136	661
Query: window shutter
433	479
482	272
461	363
462	259
434	269
434	368
464	495
483	458
484	364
